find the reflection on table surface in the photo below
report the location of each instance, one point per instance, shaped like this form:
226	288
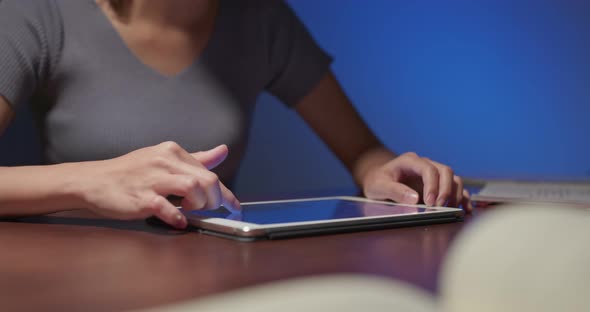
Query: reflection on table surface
78	261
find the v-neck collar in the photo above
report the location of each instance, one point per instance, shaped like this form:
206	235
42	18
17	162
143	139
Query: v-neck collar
130	54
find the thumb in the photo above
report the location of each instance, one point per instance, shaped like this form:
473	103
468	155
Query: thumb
213	157
395	191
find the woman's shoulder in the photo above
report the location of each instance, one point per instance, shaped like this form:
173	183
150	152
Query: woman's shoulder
39	16
31	37
271	14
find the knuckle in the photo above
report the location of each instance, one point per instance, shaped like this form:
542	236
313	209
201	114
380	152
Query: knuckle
152	206
429	163
190	184
214	177
170	147
410	155
447	170
210	179
395	173
431	170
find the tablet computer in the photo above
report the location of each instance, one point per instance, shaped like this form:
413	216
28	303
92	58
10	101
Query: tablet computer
311	216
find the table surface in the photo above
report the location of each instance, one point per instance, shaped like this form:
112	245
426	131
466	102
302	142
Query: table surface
77	261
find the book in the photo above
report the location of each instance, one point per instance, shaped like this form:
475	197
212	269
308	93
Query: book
544	192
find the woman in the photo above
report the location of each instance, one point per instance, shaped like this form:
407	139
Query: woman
127	91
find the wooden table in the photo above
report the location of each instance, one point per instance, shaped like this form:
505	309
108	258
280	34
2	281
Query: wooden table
77	261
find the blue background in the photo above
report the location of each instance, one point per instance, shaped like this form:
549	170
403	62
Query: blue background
496	89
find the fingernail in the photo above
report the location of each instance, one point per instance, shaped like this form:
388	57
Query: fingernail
410	197
440	202
180	221
430	199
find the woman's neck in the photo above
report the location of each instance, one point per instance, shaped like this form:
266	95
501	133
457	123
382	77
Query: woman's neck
164	14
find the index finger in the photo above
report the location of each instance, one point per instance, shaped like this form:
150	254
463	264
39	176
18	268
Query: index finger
229	200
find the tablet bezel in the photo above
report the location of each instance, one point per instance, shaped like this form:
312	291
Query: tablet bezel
252	230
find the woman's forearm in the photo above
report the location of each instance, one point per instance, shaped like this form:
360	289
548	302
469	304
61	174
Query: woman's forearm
37	190
329	112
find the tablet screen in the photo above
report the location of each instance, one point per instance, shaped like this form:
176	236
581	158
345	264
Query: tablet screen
315	210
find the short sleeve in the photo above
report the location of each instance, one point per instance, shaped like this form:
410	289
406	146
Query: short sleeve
296	61
30	43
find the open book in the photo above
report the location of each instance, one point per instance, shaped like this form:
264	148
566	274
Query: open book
572	193
534	258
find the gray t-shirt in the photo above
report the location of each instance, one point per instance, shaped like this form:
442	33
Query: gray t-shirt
95	99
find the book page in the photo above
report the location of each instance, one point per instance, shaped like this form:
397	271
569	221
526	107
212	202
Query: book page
576	193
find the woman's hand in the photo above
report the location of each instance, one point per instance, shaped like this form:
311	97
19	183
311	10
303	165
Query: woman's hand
136	185
410	179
